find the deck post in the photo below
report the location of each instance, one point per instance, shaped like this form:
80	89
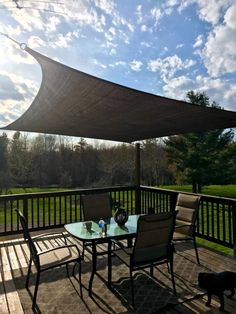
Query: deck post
234	228
137	180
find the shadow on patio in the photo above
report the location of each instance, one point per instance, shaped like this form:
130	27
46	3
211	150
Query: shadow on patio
58	294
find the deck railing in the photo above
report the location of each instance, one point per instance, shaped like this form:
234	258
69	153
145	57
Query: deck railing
216	220
54	209
216	217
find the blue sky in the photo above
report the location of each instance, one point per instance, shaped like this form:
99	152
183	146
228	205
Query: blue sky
162	47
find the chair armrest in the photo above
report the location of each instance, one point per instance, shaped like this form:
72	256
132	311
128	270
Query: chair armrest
59	248
184	225
43	235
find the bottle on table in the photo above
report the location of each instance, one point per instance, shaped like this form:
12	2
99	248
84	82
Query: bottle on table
102	225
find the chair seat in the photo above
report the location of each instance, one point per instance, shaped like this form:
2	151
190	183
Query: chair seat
177	236
59	256
124	255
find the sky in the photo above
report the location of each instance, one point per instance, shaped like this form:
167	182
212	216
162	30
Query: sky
161	47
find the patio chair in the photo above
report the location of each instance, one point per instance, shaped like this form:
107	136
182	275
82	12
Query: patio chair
49	258
152	246
187	207
96	206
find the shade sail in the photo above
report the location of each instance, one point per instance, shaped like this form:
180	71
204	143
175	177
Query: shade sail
70	102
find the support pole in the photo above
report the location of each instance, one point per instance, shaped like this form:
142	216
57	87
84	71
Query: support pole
137	180
234	228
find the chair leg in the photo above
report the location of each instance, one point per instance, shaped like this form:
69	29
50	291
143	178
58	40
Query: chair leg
80	281
73	271
151	270
172	275
36	289
67	270
28	274
196	251
168	268
82	254
109	265
132	287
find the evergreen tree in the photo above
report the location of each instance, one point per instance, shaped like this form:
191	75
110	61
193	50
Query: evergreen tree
204	157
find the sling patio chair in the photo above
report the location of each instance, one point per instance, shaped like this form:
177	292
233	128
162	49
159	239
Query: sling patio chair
152	247
95	207
187	207
48	258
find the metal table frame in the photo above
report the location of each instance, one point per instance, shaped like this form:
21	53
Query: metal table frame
79	231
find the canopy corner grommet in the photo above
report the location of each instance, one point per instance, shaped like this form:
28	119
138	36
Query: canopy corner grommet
23	46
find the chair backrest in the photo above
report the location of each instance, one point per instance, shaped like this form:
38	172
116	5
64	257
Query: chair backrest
28	239
96	206
154	236
187	207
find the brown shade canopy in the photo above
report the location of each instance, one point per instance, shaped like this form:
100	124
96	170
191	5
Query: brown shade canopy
74	103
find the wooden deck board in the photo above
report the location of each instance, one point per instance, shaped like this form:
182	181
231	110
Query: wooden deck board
8	262
14	255
3	300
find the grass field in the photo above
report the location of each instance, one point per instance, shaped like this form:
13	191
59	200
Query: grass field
34	190
216	190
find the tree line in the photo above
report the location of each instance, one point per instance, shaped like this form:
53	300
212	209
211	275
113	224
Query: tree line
46	160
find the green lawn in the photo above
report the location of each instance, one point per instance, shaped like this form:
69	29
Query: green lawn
34	190
217	190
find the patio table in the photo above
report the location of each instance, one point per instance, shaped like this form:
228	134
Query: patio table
79	231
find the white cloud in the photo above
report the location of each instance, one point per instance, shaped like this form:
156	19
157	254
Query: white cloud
52	23
156	14
167	67
99	64
110	34
108	6
198	42
35	42
17	93
179	46
138	14
168	11
177	87
208	10
230	17
144	29
223	92
28	19
13	54
171	3
112	52
10	30
136	65
211	10
117	64
219	52
61	40
22	84
146	44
